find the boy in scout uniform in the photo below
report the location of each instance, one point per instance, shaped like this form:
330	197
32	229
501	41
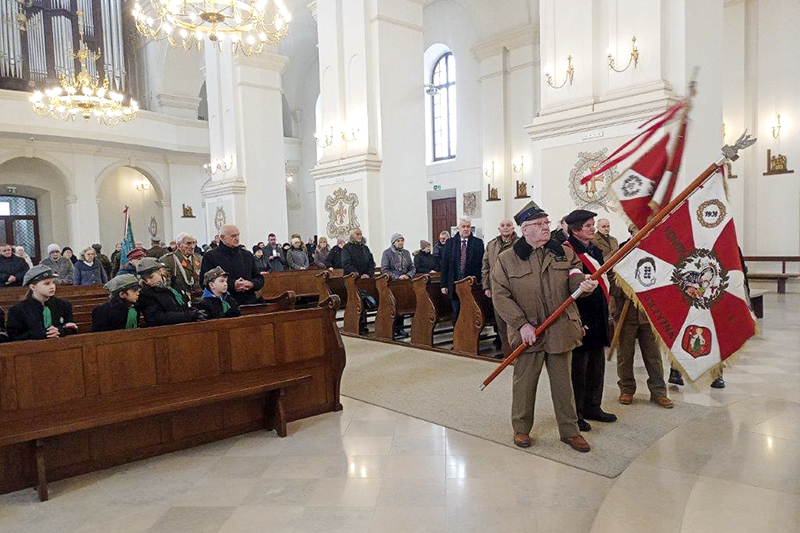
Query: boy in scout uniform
119	312
529	282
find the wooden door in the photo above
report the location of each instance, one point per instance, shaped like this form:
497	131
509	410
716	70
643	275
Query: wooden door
444	216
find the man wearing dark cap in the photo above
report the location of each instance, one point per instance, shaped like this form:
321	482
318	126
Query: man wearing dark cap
529	282
588	360
119	312
156	250
133	257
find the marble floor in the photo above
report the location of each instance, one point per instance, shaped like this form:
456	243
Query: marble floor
368	469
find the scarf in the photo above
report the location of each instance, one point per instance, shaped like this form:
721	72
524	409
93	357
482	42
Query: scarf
224	298
47	316
132	321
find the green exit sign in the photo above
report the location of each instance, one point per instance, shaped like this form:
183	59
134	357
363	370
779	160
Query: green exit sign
437	187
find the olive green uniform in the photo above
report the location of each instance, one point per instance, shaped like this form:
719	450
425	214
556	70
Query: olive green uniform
493	250
184	273
636	326
527	286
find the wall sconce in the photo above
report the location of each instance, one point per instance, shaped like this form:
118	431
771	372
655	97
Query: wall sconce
352	136
517	164
633	59
776	129
570	73
142	185
723	131
328	139
219	164
488	171
431	89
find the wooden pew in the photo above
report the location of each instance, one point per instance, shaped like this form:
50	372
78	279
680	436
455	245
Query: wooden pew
781	277
395	298
302	282
433	307
331	282
475	313
355	305
87	402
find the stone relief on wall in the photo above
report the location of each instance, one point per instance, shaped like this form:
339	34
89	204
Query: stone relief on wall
472	204
152	228
596	192
341	209
220	218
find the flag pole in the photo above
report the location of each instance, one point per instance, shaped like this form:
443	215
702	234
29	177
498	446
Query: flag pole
728	152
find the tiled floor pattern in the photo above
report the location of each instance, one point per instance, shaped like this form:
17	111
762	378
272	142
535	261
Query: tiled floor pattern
368	469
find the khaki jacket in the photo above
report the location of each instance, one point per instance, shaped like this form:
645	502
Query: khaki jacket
608	245
184	272
493	249
523	292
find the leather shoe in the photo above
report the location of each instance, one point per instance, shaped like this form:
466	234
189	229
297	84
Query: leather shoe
522	440
578	443
675	377
401	334
718	383
601	416
664	402
625	398
583	425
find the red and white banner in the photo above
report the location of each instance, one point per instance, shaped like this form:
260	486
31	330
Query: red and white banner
592	265
635	187
687	276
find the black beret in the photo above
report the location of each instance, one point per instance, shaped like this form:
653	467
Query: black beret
529	212
579	215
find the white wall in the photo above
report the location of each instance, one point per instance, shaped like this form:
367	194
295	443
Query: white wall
118	190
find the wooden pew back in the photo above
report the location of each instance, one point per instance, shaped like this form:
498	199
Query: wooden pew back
302	282
476	312
432	308
331	282
396	297
355	305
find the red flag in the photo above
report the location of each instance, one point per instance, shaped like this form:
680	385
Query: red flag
635	187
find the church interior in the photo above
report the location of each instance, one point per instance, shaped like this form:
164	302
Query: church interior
347	396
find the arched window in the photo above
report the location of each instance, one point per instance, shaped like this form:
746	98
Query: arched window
443	107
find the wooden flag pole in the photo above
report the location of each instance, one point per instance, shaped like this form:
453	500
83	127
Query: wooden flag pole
729	152
618	329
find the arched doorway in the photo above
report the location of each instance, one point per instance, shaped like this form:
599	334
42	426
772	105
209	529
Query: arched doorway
126	186
34	214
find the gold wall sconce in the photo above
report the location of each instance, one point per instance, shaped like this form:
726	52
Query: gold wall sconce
351	136
225	165
142	185
776	128
518	164
568	78
488	171
327	139
632	60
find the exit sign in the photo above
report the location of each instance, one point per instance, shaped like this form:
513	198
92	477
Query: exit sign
437	187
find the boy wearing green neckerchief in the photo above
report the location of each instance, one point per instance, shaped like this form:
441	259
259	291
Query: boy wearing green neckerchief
161	304
120	311
41	315
217	302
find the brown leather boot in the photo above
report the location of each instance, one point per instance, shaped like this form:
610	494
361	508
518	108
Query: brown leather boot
578	443
625	398
664	402
522	440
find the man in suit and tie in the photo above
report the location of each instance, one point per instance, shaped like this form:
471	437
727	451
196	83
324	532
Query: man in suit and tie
462	256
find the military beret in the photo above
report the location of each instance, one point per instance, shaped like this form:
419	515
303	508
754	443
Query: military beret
579	215
213	274
123	282
529	212
147	266
37	274
136	253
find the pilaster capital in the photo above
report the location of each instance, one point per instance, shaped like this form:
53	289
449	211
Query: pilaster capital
312	6
264	60
224	187
71	199
524	36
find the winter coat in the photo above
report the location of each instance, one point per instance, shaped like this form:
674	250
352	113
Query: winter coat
594	307
297	259
238	263
451	259
356	258
525	291
12	266
3	334
334	259
84	274
275	258
184	272
212	305
320	255
608	245
262	263
63	267
397	262
493	249
160	307
438	249
106	262
426	262
26	319
157	251
112	315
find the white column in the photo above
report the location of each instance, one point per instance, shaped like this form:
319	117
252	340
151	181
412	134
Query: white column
84	224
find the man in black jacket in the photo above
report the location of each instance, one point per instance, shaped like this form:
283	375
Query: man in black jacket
161	304
12	268
462	256
41	315
588	360
238	263
356	256
119	312
334	259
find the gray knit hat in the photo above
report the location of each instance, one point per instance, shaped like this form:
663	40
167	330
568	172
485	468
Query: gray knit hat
147	266
397	236
37	274
53	248
423	244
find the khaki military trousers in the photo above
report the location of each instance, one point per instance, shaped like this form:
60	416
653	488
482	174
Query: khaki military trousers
502	332
631	332
527	369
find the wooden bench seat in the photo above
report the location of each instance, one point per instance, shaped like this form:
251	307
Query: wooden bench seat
433	308
395	298
85	402
780	277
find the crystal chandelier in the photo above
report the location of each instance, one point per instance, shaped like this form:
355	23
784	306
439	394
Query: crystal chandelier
83	94
247	24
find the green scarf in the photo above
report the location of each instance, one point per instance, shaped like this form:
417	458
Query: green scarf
178	297
225	306
48	317
133	319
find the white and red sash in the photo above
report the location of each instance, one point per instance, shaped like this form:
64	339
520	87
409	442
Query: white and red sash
592	266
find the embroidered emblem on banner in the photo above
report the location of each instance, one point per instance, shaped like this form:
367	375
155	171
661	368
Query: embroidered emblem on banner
701	278
646	272
696	341
711	213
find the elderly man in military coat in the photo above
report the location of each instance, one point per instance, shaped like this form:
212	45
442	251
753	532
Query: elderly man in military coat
183	266
529	282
